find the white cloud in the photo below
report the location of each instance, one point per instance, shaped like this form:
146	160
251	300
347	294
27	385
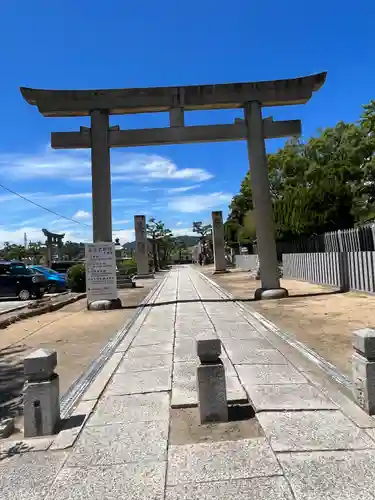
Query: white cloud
182	189
125	235
199	203
179	223
76	166
82	214
77	233
183	232
116	222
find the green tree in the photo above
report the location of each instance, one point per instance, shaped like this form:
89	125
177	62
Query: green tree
157	232
205	237
325	184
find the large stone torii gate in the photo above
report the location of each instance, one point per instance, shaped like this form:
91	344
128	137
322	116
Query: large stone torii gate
99	104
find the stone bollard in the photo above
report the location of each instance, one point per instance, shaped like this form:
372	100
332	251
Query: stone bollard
363	366
41	394
211	384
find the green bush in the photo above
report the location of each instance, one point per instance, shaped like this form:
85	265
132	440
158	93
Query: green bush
128	267
77	278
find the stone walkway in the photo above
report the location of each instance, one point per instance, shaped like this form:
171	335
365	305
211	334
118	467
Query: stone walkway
134	434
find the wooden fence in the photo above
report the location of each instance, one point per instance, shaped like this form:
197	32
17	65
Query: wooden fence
358	239
345	270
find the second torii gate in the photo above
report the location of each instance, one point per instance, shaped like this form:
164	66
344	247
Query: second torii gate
99	104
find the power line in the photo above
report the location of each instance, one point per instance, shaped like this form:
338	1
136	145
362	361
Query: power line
43	208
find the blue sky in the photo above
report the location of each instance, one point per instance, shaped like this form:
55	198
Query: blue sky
69	44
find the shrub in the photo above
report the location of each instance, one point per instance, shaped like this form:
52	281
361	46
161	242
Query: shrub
128	267
77	278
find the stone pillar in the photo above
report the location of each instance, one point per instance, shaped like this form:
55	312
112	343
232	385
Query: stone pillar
41	394
101	177
363	366
49	251
211	383
218	243
269	273
141	247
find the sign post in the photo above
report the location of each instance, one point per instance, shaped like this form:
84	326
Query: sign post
101	281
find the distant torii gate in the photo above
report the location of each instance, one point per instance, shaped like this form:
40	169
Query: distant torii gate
53	239
99	104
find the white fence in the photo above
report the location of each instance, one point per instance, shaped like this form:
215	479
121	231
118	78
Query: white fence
246	262
346	270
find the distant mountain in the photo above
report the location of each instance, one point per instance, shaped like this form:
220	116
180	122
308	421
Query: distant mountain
189	241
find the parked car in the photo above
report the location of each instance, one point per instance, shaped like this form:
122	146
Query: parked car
56	281
63	266
16	280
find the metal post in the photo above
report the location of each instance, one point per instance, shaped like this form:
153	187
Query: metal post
265	232
101	177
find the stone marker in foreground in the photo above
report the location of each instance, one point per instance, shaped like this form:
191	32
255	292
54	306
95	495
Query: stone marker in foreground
41	394
211	384
363	366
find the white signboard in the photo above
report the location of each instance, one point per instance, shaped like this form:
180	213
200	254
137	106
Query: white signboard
101	283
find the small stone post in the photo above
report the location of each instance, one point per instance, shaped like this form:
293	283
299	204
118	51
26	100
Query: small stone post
41	394
211	384
218	242
363	366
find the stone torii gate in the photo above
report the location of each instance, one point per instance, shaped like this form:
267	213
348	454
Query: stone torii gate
100	104
53	239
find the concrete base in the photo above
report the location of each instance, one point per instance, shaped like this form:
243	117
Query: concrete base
271	293
41	407
224	271
144	276
101	305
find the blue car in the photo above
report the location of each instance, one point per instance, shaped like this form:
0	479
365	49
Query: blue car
56	281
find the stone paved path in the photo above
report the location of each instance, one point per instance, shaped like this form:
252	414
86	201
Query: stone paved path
313	442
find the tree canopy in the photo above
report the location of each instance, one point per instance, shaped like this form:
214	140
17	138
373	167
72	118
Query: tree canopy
324	184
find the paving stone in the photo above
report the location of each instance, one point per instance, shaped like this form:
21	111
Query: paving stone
221	461
240	332
95	389
260	488
140	382
185	350
269	374
69	433
335	475
131	481
246	354
160	338
12	447
145	363
120	443
148	350
312	430
247	345
134	408
29	476
371	433
184	386
288	397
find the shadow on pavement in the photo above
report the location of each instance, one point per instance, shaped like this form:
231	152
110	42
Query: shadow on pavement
235	299
11	381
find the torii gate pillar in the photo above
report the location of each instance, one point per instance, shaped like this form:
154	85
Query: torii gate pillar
265	231
101	177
